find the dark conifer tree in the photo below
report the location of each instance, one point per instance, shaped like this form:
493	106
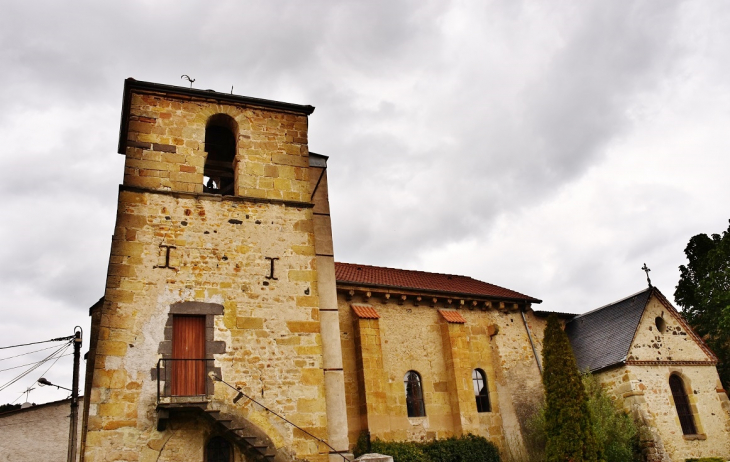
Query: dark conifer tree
568	429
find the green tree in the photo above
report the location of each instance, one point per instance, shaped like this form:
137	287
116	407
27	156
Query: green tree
9	407
568	425
703	292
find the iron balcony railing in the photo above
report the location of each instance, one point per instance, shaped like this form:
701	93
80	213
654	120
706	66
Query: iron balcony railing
184	378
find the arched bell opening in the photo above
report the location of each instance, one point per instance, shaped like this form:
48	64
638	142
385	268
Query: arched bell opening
221	133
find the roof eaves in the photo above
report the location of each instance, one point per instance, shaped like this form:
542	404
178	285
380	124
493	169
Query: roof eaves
525	298
545	314
608	366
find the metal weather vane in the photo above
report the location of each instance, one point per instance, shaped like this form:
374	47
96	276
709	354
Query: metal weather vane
187	77
646	270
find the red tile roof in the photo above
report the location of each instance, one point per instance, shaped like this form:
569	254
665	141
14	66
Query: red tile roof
349	273
365	311
452	316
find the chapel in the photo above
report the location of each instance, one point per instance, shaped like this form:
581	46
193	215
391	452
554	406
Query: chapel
228	332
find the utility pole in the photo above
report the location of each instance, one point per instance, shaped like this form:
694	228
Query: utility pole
74	397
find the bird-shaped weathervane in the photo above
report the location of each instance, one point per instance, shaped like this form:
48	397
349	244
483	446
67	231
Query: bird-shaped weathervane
187	77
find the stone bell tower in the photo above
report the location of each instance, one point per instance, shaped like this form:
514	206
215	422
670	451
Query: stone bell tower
221	276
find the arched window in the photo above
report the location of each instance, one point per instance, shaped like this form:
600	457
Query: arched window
480	390
218	450
681	402
414	395
220	144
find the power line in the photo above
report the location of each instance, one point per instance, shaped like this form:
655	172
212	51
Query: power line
28	353
36	366
59	339
16	399
30	364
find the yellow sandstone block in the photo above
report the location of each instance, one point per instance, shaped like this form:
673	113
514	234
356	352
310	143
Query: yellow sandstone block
303	249
309	350
312	376
308	301
111	348
115	424
111	409
305	405
274	194
249	323
306	327
254	168
142	181
302	275
266	183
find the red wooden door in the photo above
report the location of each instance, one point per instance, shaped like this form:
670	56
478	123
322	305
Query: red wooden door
188	343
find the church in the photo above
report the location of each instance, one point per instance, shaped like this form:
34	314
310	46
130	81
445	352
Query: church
228	332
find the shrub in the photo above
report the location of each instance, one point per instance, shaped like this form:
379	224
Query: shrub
535	435
400	451
468	448
616	433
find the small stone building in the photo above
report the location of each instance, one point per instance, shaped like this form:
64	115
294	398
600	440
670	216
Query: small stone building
37	433
644	353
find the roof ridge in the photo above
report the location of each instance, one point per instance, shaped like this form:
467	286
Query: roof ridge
610	304
409	270
445	283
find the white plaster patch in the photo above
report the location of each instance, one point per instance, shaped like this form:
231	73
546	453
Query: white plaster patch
112	363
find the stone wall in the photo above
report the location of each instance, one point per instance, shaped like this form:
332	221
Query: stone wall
675	343
377	353
36	433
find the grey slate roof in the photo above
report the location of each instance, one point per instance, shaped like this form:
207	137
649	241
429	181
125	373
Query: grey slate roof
602	337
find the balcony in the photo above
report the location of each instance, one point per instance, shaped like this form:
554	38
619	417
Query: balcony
184	381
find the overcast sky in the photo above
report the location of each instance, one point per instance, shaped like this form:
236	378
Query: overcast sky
551	147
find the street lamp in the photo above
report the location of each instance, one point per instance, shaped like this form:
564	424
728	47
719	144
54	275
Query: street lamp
44	382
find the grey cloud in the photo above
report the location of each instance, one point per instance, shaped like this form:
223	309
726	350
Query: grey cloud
444	122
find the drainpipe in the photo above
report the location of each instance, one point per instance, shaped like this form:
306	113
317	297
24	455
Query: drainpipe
532	344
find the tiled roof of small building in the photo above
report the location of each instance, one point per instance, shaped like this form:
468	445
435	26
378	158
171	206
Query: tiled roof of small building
602	337
452	316
365	311
376	276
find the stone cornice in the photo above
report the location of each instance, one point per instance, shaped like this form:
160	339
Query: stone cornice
217	197
670	363
428	298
